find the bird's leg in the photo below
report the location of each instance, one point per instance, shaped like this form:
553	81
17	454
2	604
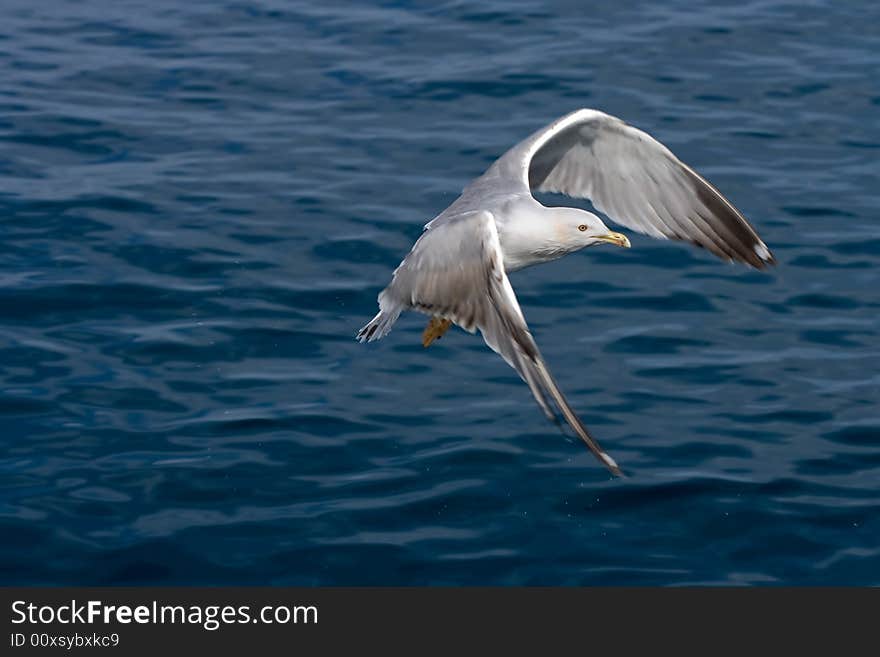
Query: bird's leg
435	330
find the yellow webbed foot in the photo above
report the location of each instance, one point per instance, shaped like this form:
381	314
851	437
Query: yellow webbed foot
435	330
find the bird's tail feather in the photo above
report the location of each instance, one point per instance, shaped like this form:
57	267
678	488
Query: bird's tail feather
379	326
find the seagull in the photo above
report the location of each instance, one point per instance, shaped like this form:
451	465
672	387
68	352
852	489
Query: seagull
457	270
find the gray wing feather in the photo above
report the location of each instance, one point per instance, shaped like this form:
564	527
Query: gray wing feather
456	270
445	272
637	182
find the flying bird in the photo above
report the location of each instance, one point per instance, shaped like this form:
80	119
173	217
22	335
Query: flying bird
457	270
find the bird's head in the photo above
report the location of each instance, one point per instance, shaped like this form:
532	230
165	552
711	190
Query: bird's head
578	229
528	239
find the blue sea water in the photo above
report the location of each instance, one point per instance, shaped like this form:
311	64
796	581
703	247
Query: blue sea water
199	202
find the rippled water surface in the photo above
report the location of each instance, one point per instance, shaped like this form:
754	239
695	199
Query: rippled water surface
200	201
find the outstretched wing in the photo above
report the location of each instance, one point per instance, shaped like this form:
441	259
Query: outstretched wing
456	271
637	182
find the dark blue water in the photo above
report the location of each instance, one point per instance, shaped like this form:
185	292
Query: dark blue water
200	201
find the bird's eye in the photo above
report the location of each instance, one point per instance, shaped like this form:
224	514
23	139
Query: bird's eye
582	227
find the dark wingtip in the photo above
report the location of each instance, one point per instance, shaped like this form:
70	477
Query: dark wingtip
734	237
755	262
366	333
764	257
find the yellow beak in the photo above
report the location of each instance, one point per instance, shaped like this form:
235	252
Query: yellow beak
615	238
